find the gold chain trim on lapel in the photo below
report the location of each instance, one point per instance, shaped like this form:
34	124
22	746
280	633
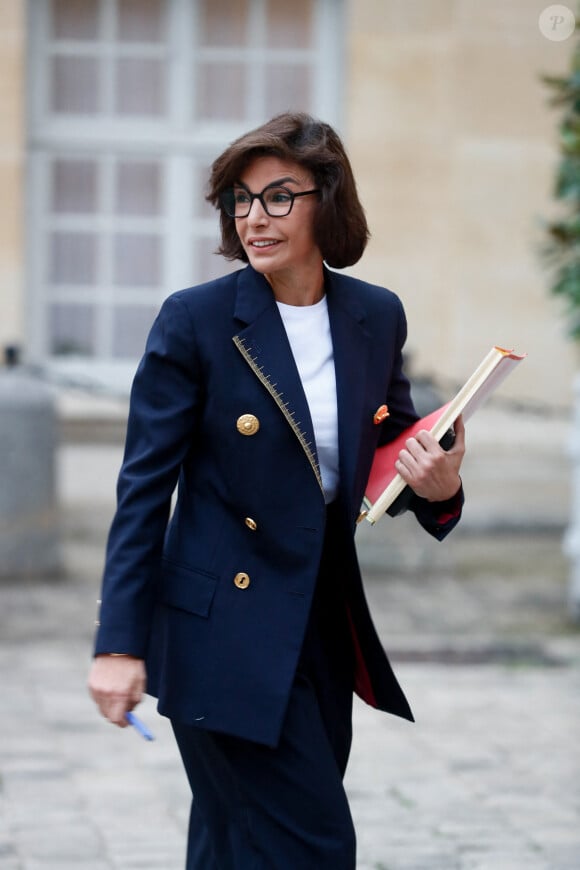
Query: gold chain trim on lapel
277	396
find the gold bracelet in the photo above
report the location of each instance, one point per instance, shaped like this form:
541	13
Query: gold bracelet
118	655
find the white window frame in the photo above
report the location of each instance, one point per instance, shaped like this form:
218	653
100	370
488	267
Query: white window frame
173	137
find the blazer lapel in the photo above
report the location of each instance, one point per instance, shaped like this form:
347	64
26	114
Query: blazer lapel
264	345
351	343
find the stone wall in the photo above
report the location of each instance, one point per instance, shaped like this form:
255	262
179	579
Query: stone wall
454	148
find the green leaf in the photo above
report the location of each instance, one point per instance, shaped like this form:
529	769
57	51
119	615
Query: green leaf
562	249
568	285
568	178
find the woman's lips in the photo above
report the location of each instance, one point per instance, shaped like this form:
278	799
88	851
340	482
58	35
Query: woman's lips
261	244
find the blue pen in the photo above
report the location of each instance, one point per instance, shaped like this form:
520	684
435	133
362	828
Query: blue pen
139	726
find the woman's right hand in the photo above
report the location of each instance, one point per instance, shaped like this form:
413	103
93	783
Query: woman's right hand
116	684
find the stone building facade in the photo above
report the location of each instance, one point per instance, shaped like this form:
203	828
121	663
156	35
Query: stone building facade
440	104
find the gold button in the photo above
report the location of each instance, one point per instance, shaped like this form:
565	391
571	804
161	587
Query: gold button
242	580
247	424
251	524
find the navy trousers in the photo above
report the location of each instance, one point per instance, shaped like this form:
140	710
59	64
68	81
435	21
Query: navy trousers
283	808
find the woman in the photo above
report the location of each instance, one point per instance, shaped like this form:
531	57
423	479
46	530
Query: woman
245	614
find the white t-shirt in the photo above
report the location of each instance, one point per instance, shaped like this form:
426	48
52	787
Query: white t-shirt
308	330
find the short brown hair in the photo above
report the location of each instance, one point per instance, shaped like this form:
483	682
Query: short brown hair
340	226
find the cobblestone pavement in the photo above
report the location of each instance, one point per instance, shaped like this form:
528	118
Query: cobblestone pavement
488	777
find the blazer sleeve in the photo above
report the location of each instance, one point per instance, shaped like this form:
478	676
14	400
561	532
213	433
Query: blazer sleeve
402	412
165	401
438	517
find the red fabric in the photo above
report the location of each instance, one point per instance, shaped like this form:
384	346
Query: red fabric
362	681
453	511
442	519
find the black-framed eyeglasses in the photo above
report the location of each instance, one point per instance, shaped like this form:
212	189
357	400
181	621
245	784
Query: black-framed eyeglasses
276	200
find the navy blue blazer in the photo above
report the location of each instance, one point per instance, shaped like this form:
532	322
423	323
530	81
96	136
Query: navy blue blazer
216	596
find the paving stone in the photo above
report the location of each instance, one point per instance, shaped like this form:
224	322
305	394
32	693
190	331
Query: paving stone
488	778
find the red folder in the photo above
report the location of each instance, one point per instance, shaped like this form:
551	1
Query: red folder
385	485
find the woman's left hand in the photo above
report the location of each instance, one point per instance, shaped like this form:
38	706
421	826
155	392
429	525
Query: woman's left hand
430	471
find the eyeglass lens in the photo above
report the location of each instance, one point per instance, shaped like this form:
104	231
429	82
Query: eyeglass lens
277	201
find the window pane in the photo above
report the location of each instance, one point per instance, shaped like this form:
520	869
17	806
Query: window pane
141	20
288	86
131	325
223	22
75	85
71	330
210	265
290	25
74	186
138	188
140	86
73	258
137	260
75	19
201	208
221	90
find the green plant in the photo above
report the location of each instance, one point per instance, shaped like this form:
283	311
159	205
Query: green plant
563	248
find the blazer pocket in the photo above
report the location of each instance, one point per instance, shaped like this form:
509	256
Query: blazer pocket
187	588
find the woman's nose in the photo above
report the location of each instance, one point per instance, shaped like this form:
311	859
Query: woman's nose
258	214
